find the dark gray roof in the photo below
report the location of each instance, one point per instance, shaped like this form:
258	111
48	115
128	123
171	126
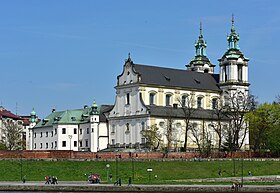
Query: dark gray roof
154	75
178	113
104	109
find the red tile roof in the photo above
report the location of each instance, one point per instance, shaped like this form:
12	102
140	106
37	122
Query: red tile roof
7	114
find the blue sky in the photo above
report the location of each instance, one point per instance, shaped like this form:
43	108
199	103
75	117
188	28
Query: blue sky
63	54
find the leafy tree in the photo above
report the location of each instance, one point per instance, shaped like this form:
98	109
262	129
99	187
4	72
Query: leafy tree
264	124
259	125
153	136
11	134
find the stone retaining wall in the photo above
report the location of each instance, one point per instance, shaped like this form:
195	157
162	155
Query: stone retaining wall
66	154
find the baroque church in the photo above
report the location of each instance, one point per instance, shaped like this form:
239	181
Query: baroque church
149	96
178	102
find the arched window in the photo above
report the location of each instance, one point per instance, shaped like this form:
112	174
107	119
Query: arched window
142	126
239	68
199	102
167	99
152	98
214	103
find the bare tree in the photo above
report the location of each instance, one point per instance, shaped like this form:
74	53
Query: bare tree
202	137
169	130
218	118
239	104
187	103
12	134
152	136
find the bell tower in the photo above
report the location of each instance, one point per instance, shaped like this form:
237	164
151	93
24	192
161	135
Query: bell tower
94	124
234	66
201	63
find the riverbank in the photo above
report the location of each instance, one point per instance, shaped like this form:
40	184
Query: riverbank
85	187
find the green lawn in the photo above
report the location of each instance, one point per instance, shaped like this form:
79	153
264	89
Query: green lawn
166	171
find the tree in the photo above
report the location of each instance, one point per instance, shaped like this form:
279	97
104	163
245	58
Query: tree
187	105
259	124
237	104
202	138
153	137
265	128
169	130
218	117
12	134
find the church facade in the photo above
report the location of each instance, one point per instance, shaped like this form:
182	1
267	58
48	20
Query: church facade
149	96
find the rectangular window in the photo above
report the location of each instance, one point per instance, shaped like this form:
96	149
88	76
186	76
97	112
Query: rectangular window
41	145
63	143
52	145
113	129
55	144
87	130
127	98
47	145
75	131
34	135
55	131
63	130
81	131
113	141
75	143
34	145
143	140
86	143
81	143
41	134
52	133
47	134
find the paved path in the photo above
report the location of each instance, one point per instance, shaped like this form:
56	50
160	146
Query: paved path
85	187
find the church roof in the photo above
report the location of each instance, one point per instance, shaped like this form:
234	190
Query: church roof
153	75
171	112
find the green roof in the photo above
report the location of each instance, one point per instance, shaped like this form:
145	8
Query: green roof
77	116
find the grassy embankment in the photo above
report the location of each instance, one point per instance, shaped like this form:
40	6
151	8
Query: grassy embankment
167	171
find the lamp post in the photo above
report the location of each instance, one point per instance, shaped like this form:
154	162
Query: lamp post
132	167
70	137
21	164
242	165
149	170
108	167
117	169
